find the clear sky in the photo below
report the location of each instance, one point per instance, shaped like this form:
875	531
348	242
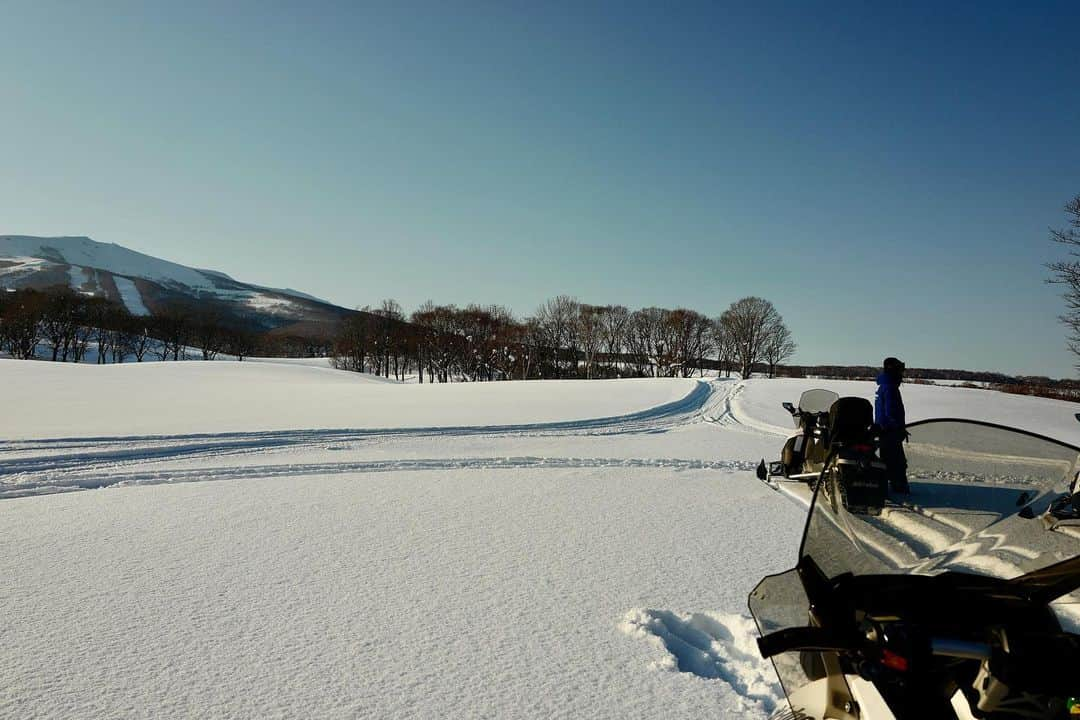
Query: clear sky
885	173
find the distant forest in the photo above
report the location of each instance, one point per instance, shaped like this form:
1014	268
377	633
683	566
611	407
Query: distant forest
563	339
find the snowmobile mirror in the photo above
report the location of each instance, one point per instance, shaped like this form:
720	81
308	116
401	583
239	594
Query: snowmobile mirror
762	472
791	408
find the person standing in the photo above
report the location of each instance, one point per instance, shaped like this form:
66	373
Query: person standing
889	415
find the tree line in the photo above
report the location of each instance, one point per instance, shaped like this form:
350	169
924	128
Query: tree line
563	338
62	325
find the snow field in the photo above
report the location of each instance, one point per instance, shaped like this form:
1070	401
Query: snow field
277	540
412	594
759	404
59	400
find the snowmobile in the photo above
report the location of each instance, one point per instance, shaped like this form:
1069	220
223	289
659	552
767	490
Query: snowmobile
804	453
960	601
836	446
853	476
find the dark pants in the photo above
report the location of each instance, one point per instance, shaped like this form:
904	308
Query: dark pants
892	454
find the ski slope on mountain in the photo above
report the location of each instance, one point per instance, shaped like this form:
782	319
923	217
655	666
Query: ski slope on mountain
142	283
284	541
86	253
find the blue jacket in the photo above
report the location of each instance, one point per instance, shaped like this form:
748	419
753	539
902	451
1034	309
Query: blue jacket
889	406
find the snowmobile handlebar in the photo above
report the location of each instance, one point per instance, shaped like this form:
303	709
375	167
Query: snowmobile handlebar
821	639
803	638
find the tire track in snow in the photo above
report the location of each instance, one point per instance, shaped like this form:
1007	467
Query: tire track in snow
34	467
67	482
41	455
732	415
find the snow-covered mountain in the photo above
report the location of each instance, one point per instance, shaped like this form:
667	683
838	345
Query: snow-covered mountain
144	283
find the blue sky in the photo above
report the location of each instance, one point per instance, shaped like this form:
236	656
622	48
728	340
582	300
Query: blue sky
885	174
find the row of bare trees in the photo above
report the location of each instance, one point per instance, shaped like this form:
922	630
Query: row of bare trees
62	326
564	338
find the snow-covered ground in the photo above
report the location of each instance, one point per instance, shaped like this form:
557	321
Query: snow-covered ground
59	400
277	540
761	404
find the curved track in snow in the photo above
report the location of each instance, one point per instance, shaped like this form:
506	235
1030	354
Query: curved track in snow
34	467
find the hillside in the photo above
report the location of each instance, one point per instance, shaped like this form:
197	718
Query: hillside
145	284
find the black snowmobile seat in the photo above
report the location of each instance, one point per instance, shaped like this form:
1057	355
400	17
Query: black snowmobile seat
850	421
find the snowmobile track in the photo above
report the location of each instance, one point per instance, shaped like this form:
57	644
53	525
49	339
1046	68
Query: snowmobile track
35	467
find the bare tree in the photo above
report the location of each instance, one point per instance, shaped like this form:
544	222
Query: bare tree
723	345
58	322
613	328
557	320
779	346
1067	272
386	341
83	331
103	320
208	332
533	335
508	346
239	342
352	343
438	338
21	315
135	336
749	321
649	341
173	328
690	335
589	332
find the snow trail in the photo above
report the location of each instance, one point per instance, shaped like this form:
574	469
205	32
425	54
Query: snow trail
53	482
36	467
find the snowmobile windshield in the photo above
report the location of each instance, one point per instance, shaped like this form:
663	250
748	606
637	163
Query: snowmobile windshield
817	401
977	493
